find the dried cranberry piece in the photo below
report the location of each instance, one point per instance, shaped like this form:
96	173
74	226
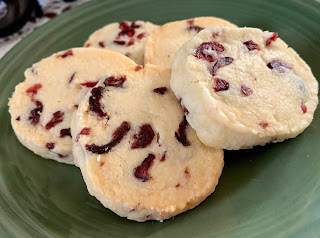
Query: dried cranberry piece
35	113
141	35
181	133
251	45
119	42
94	101
87	45
115	82
192	26
89	84
143	138
246	90
178	185
18	118
50	146
221	63
61	156
101	44
126	29
160	90
101	163
50	14
304	108
142	171
215	34
84	131
138	67
264	124
65	54
56	119
134	25
33	90
131	42
65	132
72	77
186	171
203	51
163	157
118	134
278	65
220	85
272	38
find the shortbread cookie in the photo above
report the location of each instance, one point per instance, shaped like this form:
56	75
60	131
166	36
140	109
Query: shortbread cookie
42	105
127	38
165	41
243	87
137	153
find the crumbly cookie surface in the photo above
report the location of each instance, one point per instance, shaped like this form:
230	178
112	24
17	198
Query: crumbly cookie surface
127	38
137	153
243	87
165	41
41	106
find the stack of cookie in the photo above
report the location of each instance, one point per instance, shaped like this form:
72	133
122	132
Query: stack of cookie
149	139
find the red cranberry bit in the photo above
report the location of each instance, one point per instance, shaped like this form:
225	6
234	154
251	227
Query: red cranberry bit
246	91
192	26
84	131
264	125
66	8
115	82
50	14
89	84
50	146
251	45
143	138
215	34
18	118
178	185
141	172
65	54
72	77
141	35
272	38
35	113
94	101
221	63
131	42
190	22
186	171
101	44
65	132
56	119
101	163
278	65
87	45
126	29
61	156
304	108
163	157
75	106
119	42
138	67
220	85
181	133
161	90
118	134
203	51
33	90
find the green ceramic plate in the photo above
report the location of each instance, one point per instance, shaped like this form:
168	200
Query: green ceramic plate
270	191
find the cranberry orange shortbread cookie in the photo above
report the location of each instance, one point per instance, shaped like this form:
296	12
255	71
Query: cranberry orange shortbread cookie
137	153
165	41
42	105
243	87
127	38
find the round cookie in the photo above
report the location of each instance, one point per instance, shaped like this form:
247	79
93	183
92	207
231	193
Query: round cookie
165	41
42	105
139	157
127	38
243	87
